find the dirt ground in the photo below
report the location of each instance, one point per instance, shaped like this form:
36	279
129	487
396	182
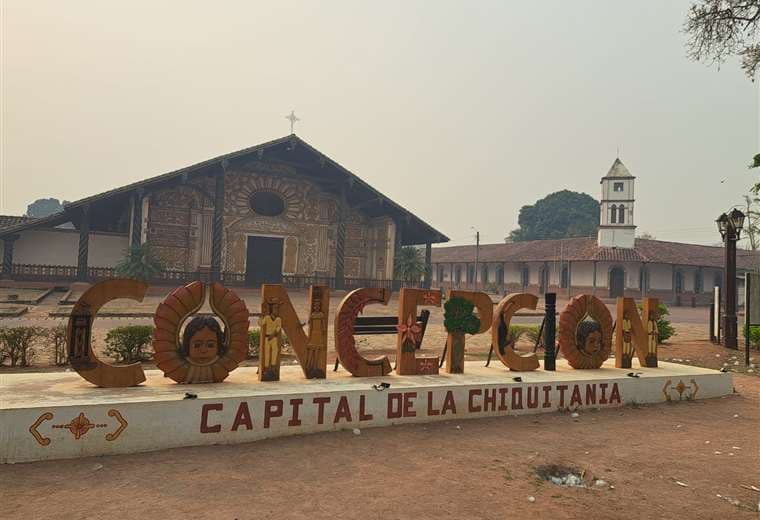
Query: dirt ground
482	468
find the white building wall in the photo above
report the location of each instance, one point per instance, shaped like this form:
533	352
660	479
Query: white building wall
660	277
512	272
582	274
60	247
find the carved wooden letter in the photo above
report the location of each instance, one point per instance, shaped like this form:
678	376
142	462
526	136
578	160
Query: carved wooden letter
79	334
409	332
345	345
634	331
505	349
597	343
174	359
311	348
455	341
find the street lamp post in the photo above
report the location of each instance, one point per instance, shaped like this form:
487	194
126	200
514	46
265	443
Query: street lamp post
730	227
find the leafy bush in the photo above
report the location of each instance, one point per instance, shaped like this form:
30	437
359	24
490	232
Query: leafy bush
57	335
17	344
127	344
664	329
458	316
254	336
754	336
140	263
529	332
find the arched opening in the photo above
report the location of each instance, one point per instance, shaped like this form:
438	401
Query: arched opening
698	281
679	282
441	274
458	274
525	276
617	282
621	214
613	214
470	274
564	278
644	280
500	275
484	274
543	280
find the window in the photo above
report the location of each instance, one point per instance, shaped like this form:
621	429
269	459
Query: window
698	281
484	274
267	203
525	276
500	275
563	279
458	274
679	282
621	214
618	186
613	214
470	274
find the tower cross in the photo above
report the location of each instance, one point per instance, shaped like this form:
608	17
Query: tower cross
292	118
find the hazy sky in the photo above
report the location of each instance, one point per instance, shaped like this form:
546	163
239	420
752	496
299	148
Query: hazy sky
460	111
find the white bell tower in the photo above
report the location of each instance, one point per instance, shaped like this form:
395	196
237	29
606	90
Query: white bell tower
616	224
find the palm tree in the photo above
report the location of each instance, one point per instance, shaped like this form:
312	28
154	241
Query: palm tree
410	264
140	263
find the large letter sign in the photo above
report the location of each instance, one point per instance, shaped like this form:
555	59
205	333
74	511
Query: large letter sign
585	343
79	334
410	332
634	331
505	349
345	345
459	321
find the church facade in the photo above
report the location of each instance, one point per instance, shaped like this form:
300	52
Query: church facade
615	263
280	211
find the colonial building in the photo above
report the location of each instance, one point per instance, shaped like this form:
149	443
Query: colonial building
613	264
277	211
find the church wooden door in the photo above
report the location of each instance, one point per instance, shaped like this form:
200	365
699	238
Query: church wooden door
263	260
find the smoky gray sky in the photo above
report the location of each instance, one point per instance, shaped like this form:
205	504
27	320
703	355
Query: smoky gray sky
460	111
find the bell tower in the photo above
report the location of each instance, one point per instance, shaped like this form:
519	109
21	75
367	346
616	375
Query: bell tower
616	224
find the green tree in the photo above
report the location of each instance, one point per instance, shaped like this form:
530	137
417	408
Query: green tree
44	207
562	214
139	263
409	264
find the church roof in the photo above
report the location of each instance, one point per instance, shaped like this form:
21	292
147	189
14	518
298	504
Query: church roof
618	171
292	150
586	249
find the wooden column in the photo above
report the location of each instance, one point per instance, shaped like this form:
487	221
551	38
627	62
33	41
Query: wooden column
7	268
217	230
340	242
84	245
137	218
428	265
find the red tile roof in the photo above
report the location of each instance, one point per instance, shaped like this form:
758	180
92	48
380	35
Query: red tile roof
578	249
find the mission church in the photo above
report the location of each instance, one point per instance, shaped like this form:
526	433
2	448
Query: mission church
278	212
614	263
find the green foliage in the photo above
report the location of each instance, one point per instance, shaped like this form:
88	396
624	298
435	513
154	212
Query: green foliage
755	161
754	336
562	214
139	263
126	344
17	344
409	264
664	329
254	337
44	207
57	336
529	332
458	316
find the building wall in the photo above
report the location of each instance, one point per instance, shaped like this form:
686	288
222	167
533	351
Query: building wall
180	230
61	246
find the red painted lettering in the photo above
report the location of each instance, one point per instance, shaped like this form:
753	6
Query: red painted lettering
576	397
603	399
272	409
363	415
533	397
561	389
394	406
242	418
489	399
590	394
409	398
295	405
615	394
503	399
430	409
471	401
205	409
517	398
321	402
547	403
448	404
343	411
